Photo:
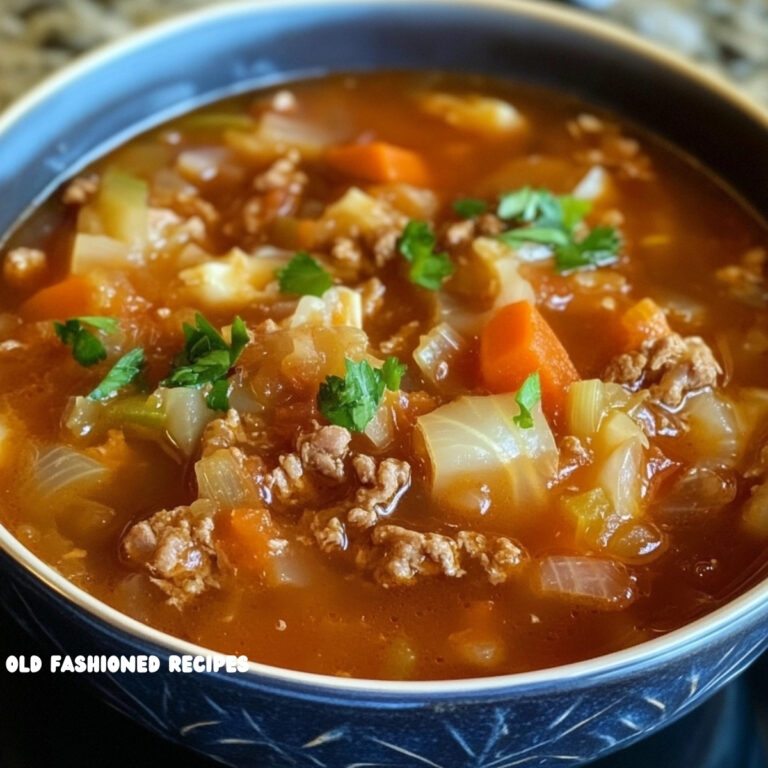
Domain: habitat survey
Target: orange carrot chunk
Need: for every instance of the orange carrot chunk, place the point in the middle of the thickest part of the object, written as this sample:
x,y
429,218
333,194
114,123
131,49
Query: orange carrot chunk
x,y
642,322
246,536
516,342
71,297
379,161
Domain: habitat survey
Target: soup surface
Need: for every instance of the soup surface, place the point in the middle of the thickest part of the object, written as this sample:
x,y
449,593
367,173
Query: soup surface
x,y
397,376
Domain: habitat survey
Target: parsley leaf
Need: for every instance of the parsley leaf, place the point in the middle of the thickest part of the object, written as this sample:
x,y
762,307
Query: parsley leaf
x,y
304,276
352,402
598,248
417,245
527,397
392,372
86,347
469,207
553,221
208,359
218,398
122,373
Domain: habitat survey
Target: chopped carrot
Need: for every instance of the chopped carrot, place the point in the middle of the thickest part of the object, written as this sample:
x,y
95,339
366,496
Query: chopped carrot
x,y
642,322
245,536
516,342
71,297
379,161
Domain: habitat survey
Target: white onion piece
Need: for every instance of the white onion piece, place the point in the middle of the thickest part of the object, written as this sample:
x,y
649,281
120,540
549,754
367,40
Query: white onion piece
x,y
60,468
337,306
186,415
755,513
202,163
621,477
221,477
594,185
437,355
714,432
604,584
381,429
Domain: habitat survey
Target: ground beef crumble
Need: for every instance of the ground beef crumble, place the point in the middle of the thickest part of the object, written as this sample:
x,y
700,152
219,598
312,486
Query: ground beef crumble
x,y
670,367
177,547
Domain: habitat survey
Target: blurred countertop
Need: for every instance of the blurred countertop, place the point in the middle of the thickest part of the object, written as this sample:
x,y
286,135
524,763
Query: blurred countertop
x,y
39,36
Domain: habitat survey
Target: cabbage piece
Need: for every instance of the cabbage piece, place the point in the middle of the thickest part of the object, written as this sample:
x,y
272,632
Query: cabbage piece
x,y
234,280
222,478
439,356
122,205
90,252
414,202
474,113
276,133
337,306
600,583
481,459
61,468
356,213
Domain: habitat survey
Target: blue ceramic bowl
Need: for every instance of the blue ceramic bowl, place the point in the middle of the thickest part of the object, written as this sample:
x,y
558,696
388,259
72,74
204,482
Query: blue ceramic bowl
x,y
273,717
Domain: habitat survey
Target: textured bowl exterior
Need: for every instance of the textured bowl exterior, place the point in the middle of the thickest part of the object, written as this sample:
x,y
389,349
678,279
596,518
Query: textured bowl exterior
x,y
269,717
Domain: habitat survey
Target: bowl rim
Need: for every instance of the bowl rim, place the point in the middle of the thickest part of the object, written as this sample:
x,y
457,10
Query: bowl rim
x,y
735,612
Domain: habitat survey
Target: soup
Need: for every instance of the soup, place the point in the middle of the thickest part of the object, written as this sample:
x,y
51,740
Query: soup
x,y
401,376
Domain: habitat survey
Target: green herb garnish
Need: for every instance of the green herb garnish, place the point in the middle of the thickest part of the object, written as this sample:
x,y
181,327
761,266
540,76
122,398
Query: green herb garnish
x,y
469,207
218,398
122,373
527,396
554,221
208,359
417,245
87,349
352,402
304,276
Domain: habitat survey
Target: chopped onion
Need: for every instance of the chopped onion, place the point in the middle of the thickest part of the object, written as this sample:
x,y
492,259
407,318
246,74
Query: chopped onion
x,y
122,204
585,407
621,477
202,163
755,513
381,429
595,185
473,440
60,468
414,202
221,477
233,280
713,430
91,252
438,355
356,212
698,490
474,113
186,415
337,306
603,584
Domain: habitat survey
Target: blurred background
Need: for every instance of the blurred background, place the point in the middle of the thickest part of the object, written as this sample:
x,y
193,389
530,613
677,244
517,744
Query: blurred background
x,y
39,36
